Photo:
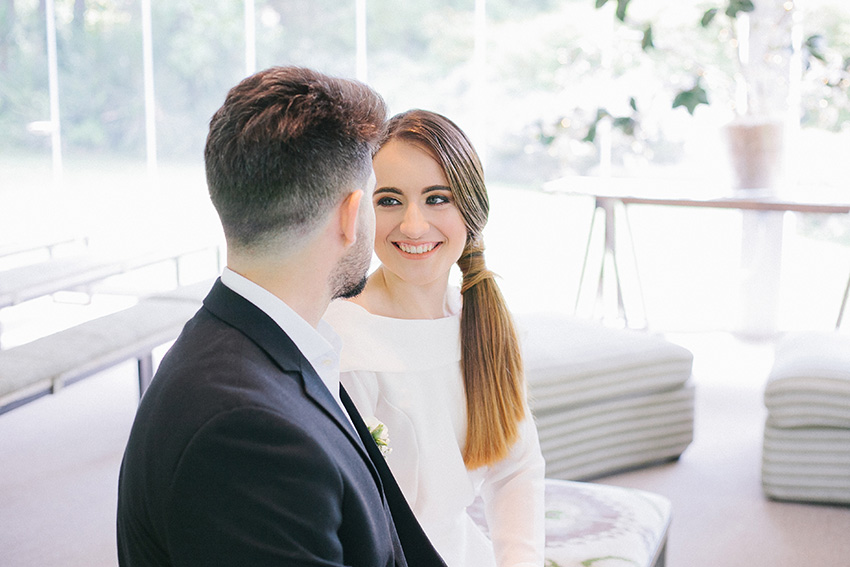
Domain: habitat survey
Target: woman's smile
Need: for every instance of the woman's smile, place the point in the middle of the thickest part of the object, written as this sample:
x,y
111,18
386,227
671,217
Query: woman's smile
x,y
420,249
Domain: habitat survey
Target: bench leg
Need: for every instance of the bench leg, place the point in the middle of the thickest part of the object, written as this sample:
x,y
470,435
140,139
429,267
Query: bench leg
x,y
661,560
177,270
145,372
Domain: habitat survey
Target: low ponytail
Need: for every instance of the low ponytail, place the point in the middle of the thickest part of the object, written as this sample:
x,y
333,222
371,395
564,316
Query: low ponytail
x,y
491,363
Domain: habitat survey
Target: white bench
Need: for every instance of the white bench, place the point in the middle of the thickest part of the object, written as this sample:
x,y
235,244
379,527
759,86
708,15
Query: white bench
x,y
46,243
28,282
45,365
44,278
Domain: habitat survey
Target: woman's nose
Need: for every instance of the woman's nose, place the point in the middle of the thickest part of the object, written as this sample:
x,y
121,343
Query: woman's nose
x,y
414,224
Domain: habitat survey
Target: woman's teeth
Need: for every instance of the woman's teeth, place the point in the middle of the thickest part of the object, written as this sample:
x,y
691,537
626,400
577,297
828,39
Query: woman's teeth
x,y
418,249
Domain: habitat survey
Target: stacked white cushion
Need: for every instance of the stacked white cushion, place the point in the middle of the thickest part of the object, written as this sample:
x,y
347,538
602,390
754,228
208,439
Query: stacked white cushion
x,y
605,399
806,452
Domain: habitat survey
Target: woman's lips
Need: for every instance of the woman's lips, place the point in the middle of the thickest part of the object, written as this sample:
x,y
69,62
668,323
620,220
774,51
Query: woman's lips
x,y
416,249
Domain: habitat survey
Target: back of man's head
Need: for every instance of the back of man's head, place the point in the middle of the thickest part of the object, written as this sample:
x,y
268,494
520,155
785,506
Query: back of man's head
x,y
285,148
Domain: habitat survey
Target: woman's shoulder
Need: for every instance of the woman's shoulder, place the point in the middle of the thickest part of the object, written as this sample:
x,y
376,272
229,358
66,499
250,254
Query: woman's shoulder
x,y
378,343
347,316
343,311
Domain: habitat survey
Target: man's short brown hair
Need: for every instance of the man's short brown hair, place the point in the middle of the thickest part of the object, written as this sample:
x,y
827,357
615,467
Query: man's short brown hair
x,y
285,148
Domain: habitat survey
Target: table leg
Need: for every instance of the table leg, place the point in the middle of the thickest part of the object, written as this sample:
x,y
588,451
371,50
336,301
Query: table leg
x,y
586,254
608,208
843,304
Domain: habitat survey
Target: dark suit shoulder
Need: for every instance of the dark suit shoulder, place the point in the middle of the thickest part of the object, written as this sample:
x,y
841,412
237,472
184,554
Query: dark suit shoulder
x,y
230,463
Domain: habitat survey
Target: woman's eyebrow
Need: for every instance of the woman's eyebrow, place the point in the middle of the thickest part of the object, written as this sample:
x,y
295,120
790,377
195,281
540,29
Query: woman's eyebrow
x,y
436,188
392,190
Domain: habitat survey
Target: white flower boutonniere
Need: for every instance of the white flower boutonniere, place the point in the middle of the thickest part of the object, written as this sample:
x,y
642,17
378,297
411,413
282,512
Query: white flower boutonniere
x,y
380,435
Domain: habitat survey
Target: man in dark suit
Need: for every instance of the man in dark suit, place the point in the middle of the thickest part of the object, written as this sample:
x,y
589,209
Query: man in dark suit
x,y
244,450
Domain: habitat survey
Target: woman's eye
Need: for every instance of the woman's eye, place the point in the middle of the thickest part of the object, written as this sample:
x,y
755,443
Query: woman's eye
x,y
437,199
387,202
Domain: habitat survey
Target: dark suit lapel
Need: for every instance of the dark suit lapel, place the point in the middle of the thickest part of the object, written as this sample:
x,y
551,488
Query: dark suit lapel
x,y
418,549
240,313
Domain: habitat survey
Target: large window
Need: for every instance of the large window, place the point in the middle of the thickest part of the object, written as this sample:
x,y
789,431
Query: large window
x,y
545,88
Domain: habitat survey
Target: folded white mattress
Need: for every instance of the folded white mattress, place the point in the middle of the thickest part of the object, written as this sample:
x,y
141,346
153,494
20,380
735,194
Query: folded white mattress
x,y
571,362
810,464
594,440
809,384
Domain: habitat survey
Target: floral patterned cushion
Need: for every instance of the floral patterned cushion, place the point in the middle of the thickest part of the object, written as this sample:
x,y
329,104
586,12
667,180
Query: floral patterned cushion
x,y
595,525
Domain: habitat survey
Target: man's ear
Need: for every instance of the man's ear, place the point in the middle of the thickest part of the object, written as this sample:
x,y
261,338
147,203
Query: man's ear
x,y
348,216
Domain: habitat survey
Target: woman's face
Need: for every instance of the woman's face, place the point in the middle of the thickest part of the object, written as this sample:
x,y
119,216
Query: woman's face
x,y
419,231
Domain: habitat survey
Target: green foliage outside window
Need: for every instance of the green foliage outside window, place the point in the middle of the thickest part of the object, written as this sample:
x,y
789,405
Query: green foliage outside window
x,y
551,76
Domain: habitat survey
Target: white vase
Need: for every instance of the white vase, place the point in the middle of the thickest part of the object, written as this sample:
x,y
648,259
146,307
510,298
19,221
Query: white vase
x,y
756,151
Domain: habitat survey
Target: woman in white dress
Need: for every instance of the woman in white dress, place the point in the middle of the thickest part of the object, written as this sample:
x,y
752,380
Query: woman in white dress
x,y
439,369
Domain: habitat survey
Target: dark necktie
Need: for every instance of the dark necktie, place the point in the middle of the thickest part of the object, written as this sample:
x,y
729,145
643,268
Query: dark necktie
x,y
417,547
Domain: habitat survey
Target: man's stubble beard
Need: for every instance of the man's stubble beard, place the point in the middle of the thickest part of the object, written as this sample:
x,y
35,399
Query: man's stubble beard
x,y
349,279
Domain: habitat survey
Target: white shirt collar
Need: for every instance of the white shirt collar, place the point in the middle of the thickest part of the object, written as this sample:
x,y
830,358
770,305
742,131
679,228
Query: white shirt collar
x,y
320,346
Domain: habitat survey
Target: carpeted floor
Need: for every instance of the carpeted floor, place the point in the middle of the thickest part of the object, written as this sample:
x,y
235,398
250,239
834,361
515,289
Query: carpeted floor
x,y
59,473
720,516
61,454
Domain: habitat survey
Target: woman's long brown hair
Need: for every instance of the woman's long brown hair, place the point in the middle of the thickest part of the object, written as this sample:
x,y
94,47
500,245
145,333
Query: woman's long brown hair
x,y
491,361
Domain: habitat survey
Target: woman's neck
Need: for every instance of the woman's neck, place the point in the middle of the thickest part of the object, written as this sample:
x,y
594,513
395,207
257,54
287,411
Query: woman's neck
x,y
388,296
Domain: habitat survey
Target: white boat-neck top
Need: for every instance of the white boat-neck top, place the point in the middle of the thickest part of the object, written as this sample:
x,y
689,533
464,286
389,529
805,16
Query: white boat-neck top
x,y
405,373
